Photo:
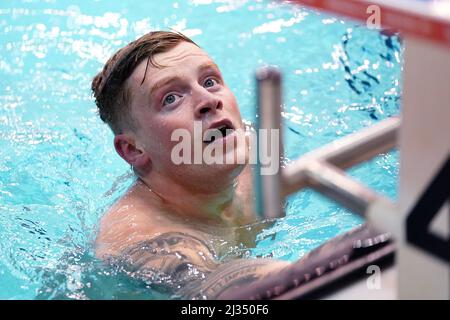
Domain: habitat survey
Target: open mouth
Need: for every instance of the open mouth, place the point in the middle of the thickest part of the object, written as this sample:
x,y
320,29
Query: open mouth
x,y
218,131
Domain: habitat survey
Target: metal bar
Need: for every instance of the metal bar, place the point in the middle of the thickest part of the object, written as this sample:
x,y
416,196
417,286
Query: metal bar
x,y
336,185
268,178
343,153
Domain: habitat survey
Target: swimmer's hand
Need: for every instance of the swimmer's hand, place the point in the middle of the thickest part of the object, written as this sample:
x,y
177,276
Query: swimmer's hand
x,y
186,266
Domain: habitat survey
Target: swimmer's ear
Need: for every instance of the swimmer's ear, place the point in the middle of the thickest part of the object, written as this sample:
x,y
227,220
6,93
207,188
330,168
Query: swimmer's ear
x,y
128,149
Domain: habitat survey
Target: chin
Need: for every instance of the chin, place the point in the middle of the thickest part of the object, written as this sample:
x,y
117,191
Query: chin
x,y
232,170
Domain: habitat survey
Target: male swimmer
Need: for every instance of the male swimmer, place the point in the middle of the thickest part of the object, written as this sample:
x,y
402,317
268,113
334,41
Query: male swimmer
x,y
177,221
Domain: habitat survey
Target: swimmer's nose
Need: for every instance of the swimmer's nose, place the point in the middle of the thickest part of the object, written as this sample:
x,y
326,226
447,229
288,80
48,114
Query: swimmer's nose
x,y
208,103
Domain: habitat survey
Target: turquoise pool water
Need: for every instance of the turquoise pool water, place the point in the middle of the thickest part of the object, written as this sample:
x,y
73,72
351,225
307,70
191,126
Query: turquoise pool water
x,y
58,169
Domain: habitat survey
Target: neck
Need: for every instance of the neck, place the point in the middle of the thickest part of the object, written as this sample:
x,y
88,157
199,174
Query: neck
x,y
226,205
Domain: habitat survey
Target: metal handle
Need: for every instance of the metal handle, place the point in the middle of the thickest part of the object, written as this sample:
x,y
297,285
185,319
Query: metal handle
x,y
268,184
319,169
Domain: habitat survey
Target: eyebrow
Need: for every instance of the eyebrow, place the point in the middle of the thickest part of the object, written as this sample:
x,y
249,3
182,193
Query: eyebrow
x,y
161,83
208,65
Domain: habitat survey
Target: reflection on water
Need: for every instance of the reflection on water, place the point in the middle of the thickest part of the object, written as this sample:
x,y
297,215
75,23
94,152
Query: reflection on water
x,y
80,276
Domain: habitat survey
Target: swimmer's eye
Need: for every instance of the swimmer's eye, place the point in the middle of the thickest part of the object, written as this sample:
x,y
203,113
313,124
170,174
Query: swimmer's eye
x,y
170,99
210,82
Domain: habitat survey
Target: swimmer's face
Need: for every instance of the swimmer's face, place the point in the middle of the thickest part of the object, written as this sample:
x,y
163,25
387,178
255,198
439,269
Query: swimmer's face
x,y
188,87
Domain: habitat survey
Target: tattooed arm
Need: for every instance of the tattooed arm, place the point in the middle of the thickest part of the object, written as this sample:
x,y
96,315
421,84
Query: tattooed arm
x,y
187,267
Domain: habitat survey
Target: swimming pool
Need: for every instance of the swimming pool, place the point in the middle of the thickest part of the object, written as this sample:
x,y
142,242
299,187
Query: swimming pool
x,y
59,171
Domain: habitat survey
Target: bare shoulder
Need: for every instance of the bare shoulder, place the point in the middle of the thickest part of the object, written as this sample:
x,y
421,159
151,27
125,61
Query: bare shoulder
x,y
132,219
171,254
176,260
170,257
127,235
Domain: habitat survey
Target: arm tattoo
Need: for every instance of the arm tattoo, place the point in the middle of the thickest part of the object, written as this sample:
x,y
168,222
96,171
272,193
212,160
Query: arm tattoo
x,y
187,267
227,277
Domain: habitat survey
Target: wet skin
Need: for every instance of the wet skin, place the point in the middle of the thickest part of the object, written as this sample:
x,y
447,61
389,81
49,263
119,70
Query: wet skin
x,y
179,217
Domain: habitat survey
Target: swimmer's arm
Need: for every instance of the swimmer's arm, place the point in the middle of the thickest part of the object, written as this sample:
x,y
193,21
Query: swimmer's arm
x,y
188,263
